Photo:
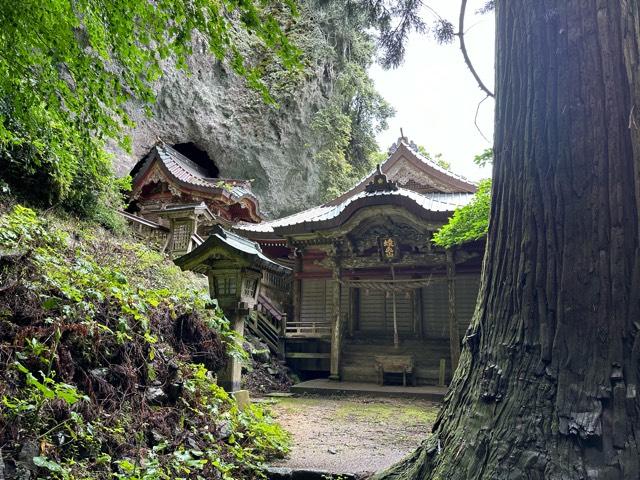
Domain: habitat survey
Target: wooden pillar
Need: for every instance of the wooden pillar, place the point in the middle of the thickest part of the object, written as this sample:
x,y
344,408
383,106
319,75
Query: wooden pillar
x,y
396,340
424,319
297,286
416,294
354,313
336,324
229,377
454,336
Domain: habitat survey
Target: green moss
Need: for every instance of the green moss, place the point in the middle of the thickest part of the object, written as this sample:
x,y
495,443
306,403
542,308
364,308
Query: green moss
x,y
352,408
382,412
298,404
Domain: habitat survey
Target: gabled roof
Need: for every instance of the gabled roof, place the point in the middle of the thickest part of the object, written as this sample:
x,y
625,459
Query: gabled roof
x,y
448,192
190,175
410,169
328,216
235,245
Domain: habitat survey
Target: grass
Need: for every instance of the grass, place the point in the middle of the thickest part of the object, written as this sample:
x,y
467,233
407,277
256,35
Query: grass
x,y
383,412
406,412
298,404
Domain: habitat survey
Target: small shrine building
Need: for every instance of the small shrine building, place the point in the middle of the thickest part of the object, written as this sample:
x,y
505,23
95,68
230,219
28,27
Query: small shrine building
x,y
177,200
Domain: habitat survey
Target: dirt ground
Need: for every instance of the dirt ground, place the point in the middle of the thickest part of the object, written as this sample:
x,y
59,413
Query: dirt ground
x,y
351,434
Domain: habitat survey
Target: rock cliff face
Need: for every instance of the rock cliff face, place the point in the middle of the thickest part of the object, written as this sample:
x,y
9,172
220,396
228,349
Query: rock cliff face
x,y
214,109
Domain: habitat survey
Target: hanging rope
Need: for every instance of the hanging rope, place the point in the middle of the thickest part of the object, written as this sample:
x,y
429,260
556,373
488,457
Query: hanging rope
x,y
393,285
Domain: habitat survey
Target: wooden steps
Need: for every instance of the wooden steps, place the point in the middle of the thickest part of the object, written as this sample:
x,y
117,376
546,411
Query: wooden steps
x,y
307,355
310,355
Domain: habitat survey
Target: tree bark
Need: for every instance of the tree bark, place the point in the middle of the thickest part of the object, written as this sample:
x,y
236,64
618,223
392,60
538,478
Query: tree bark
x,y
454,336
547,386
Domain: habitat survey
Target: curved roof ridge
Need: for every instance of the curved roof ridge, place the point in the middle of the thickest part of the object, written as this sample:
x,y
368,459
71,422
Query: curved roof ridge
x,y
432,163
433,201
441,174
186,162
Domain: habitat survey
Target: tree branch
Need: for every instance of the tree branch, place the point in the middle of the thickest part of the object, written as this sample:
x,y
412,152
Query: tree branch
x,y
463,48
475,119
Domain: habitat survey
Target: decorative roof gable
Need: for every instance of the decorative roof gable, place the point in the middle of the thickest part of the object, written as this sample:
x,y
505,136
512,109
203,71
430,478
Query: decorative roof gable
x,y
409,169
182,175
406,179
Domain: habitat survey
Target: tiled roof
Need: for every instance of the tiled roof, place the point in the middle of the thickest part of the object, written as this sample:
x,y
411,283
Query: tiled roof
x,y
186,171
432,202
458,191
430,167
197,258
431,163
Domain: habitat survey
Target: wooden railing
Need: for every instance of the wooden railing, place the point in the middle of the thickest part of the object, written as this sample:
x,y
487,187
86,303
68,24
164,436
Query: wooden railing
x,y
155,234
307,330
271,325
261,325
266,305
267,323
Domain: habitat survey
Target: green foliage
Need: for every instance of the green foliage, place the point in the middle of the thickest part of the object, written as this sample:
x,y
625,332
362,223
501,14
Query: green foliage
x,y
334,129
347,125
484,158
91,323
468,223
437,158
68,68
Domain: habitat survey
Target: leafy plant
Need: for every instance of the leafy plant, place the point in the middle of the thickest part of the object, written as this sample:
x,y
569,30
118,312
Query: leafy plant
x,y
107,355
484,158
347,124
67,70
468,223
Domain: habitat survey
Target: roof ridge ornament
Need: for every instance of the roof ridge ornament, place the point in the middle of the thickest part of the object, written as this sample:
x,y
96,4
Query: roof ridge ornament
x,y
403,139
380,183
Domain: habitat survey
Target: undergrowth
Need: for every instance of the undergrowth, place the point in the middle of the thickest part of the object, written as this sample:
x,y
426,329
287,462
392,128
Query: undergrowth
x,y
107,354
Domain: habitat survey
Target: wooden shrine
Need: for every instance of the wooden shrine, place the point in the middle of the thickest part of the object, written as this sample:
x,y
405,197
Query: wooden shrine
x,y
175,200
369,283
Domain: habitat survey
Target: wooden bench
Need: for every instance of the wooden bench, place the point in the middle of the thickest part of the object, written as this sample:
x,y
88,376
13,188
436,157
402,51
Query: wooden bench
x,y
403,364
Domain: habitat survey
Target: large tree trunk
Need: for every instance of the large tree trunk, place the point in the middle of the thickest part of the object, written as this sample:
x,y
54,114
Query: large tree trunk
x,y
547,386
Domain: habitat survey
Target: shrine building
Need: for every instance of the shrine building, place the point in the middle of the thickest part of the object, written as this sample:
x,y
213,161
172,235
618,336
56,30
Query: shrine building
x,y
371,296
175,200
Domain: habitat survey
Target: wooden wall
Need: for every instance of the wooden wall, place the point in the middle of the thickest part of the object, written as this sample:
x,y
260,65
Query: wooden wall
x,y
315,302
376,312
376,307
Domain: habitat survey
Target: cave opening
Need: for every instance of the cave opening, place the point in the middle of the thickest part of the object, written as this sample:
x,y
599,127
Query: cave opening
x,y
199,157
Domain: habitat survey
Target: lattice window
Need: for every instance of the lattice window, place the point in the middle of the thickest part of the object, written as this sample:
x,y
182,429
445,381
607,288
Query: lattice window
x,y
225,286
250,287
181,236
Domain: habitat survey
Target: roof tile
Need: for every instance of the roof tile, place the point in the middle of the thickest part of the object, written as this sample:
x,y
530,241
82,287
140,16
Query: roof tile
x,y
434,202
